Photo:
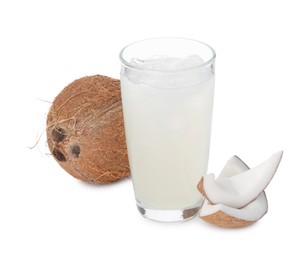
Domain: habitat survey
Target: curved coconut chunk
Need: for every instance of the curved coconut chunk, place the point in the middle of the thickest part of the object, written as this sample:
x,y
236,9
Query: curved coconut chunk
x,y
233,167
239,190
252,212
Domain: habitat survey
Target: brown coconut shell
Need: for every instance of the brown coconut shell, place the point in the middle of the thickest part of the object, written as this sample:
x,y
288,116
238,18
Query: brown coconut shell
x,y
85,130
224,220
201,189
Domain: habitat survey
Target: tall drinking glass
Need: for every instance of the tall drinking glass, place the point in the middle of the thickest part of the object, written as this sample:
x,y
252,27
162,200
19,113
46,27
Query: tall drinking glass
x,y
167,87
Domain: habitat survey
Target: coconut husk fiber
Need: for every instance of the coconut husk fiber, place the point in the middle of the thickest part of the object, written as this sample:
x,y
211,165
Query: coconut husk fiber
x,y
85,131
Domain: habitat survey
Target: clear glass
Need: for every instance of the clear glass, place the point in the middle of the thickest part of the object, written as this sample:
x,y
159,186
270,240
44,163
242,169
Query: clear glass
x,y
167,87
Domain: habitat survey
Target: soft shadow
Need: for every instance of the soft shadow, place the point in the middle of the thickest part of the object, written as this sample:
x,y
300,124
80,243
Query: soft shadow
x,y
223,229
104,186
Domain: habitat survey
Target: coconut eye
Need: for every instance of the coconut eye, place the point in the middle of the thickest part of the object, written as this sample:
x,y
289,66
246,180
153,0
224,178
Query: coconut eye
x,y
59,155
58,134
75,150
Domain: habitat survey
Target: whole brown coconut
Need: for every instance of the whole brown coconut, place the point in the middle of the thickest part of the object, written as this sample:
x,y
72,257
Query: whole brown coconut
x,y
85,130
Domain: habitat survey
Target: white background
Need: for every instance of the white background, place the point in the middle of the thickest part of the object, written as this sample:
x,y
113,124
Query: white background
x,y
259,109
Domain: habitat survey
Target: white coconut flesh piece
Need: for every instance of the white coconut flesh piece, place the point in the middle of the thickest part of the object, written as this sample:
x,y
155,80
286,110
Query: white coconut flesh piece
x,y
233,167
239,190
229,217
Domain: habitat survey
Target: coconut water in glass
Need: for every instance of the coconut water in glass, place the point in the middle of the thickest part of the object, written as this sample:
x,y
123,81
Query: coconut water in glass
x,y
167,87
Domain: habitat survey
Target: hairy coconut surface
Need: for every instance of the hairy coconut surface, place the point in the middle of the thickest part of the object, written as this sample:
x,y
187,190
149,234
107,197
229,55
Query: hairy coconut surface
x,y
85,130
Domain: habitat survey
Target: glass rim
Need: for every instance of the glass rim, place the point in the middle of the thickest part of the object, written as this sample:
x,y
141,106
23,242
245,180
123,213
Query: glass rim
x,y
139,67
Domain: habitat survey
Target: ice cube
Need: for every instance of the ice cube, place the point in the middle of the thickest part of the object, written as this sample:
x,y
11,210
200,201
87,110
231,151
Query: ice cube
x,y
167,72
187,62
162,62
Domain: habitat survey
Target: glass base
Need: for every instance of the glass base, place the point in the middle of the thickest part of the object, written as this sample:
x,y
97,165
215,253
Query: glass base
x,y
173,215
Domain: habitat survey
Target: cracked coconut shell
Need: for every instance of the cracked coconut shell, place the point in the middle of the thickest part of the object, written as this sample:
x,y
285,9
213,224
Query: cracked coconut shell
x,y
85,130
